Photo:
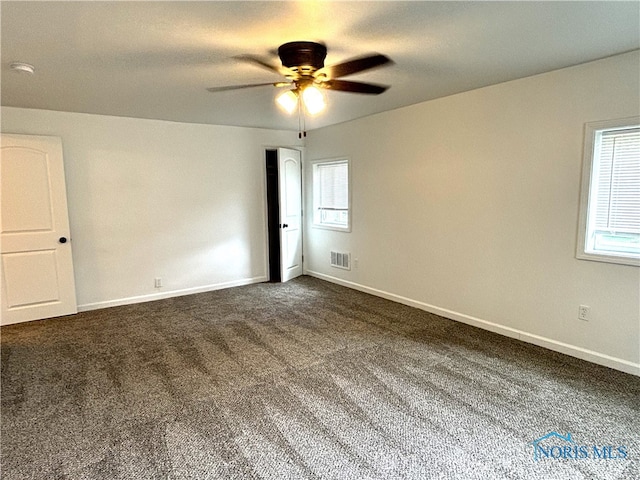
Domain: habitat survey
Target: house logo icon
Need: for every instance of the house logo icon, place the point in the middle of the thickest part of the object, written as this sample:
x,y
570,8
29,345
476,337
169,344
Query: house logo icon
x,y
538,447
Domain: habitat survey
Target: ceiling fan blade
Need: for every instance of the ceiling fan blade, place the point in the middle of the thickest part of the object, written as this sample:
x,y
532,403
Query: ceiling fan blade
x,y
249,85
261,62
354,66
354,87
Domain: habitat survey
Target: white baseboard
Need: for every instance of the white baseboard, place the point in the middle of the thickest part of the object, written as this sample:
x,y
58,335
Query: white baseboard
x,y
173,293
567,349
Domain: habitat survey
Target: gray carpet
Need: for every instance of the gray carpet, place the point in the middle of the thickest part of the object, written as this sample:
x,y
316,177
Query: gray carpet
x,y
303,380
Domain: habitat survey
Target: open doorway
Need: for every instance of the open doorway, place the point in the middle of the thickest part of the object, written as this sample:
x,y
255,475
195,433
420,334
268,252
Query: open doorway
x,y
273,216
284,213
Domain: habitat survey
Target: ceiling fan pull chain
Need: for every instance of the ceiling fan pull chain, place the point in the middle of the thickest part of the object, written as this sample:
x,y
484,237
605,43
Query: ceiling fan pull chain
x,y
304,124
299,119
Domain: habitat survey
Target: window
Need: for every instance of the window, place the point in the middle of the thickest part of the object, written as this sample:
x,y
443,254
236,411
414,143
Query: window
x,y
331,195
610,203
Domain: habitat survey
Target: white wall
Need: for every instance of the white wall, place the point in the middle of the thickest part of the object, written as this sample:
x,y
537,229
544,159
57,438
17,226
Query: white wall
x,y
148,199
468,206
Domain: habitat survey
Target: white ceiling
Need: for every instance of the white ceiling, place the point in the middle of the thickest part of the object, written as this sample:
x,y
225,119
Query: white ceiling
x,y
156,59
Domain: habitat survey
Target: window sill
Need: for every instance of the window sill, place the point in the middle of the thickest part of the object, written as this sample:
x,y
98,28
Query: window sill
x,y
618,259
332,228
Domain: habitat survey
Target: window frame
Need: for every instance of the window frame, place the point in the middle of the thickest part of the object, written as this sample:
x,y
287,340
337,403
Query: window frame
x,y
590,132
314,194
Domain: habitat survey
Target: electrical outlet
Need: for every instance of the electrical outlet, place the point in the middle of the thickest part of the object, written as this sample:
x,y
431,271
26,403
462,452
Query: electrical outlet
x,y
355,263
157,282
584,312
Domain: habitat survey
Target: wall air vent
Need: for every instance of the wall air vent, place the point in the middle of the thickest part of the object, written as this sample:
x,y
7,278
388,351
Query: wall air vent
x,y
341,260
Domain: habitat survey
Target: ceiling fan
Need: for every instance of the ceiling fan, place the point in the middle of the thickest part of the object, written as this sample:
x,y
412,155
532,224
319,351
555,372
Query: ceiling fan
x,y
305,74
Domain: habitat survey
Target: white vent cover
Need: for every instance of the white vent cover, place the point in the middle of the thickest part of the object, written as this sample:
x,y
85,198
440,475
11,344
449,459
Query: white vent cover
x,y
341,260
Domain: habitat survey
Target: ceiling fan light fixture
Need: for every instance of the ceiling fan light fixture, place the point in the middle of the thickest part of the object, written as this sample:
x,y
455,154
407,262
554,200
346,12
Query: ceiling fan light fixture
x,y
288,101
306,75
313,99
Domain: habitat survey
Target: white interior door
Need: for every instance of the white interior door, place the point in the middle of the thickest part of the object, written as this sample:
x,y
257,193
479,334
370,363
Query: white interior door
x,y
37,268
290,192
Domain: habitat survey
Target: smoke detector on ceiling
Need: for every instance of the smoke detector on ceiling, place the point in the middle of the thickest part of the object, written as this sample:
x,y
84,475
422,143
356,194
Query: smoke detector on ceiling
x,y
22,67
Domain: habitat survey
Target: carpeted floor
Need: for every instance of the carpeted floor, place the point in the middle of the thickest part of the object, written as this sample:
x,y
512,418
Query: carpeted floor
x,y
303,380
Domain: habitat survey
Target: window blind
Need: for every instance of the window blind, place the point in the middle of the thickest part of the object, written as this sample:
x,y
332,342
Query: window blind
x,y
618,181
333,183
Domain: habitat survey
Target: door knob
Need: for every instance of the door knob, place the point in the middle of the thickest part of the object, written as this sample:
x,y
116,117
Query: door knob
x,y
284,225
62,239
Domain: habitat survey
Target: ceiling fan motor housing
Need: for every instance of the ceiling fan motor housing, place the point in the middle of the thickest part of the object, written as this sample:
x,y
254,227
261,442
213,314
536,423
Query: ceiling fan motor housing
x,y
303,57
